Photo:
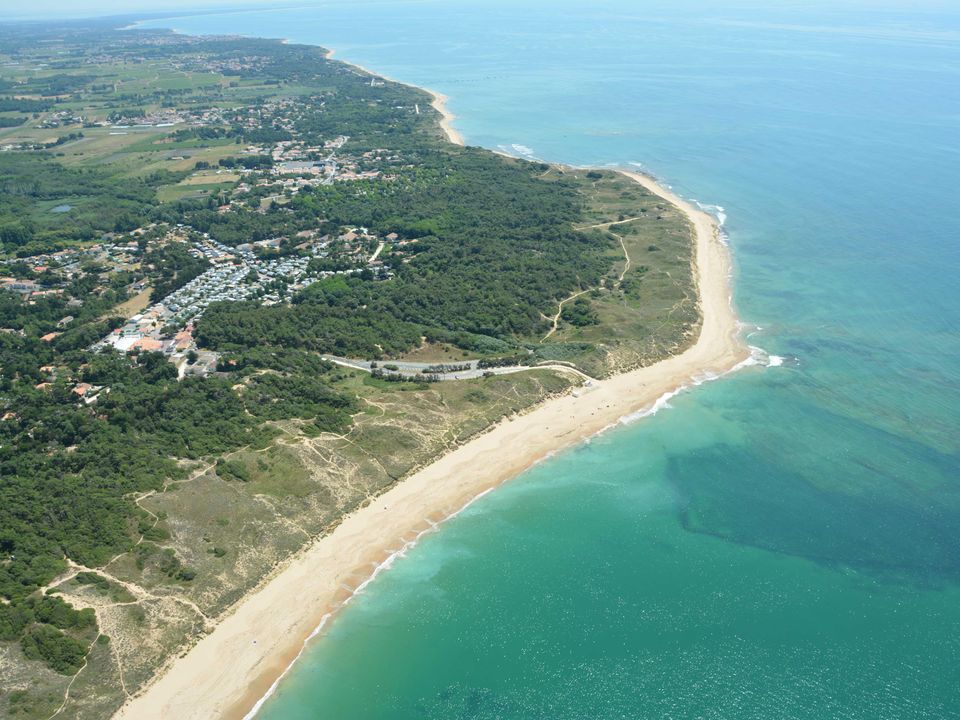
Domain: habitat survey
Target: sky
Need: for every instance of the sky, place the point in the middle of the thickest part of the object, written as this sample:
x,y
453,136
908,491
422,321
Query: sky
x,y
46,9
50,9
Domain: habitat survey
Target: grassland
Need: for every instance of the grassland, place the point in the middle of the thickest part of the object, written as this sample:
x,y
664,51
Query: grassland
x,y
233,533
645,308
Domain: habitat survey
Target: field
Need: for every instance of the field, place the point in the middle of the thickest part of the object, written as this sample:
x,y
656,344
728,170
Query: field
x,y
138,303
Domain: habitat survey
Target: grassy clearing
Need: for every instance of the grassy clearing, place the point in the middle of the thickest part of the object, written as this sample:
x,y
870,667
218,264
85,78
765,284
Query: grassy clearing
x,y
435,353
231,525
103,145
31,690
210,177
138,303
642,311
178,161
172,193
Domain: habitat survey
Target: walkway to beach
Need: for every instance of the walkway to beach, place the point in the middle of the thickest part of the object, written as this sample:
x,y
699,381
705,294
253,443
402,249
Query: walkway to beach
x,y
607,226
555,320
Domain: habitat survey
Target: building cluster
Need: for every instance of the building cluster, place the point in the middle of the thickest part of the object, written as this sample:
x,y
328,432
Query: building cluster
x,y
260,271
71,262
53,271
236,274
162,117
60,119
279,114
203,62
292,157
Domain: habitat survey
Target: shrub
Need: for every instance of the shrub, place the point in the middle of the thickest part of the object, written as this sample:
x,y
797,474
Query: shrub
x,y
60,652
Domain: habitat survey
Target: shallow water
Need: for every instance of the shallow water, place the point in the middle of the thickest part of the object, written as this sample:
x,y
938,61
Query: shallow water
x,y
779,544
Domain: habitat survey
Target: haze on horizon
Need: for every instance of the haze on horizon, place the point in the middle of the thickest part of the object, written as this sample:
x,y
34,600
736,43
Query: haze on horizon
x,y
68,9
71,9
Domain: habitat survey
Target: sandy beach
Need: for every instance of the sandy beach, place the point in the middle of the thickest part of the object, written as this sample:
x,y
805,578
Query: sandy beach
x,y
228,671
446,123
439,102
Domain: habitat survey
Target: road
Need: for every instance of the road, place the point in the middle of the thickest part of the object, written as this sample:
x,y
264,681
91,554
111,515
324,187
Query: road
x,y
417,368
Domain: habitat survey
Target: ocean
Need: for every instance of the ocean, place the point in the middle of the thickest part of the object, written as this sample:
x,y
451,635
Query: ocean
x,y
781,543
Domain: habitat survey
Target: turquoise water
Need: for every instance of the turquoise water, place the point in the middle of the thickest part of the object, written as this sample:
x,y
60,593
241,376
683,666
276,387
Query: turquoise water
x,y
784,543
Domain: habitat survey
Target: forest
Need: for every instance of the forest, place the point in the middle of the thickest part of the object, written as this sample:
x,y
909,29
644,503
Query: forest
x,y
493,248
484,250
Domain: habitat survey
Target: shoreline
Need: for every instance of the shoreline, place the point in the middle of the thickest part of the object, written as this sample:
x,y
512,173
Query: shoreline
x,y
269,628
438,103
446,122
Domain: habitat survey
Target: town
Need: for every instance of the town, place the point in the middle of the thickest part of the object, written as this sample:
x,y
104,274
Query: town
x,y
236,274
231,274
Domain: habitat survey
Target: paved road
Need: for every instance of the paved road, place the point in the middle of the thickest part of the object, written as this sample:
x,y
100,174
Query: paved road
x,y
417,368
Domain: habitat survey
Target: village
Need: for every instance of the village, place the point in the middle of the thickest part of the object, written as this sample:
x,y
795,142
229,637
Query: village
x,y
233,274
253,157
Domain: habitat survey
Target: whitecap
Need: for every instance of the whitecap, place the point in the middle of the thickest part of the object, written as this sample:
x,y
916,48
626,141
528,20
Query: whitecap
x,y
659,404
523,150
718,212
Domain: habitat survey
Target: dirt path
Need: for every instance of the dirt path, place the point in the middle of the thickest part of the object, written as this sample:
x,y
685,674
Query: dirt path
x,y
626,255
555,320
600,226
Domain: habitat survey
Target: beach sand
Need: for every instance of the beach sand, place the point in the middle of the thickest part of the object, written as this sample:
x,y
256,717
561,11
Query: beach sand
x,y
228,671
446,123
439,102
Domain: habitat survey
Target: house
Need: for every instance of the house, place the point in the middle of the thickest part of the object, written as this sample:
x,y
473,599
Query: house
x,y
82,389
183,339
147,344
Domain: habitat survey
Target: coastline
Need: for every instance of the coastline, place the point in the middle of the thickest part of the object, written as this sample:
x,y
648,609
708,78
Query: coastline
x,y
267,630
438,103
446,122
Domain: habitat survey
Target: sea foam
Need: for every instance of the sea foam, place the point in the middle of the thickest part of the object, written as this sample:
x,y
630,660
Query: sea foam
x,y
516,149
758,358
